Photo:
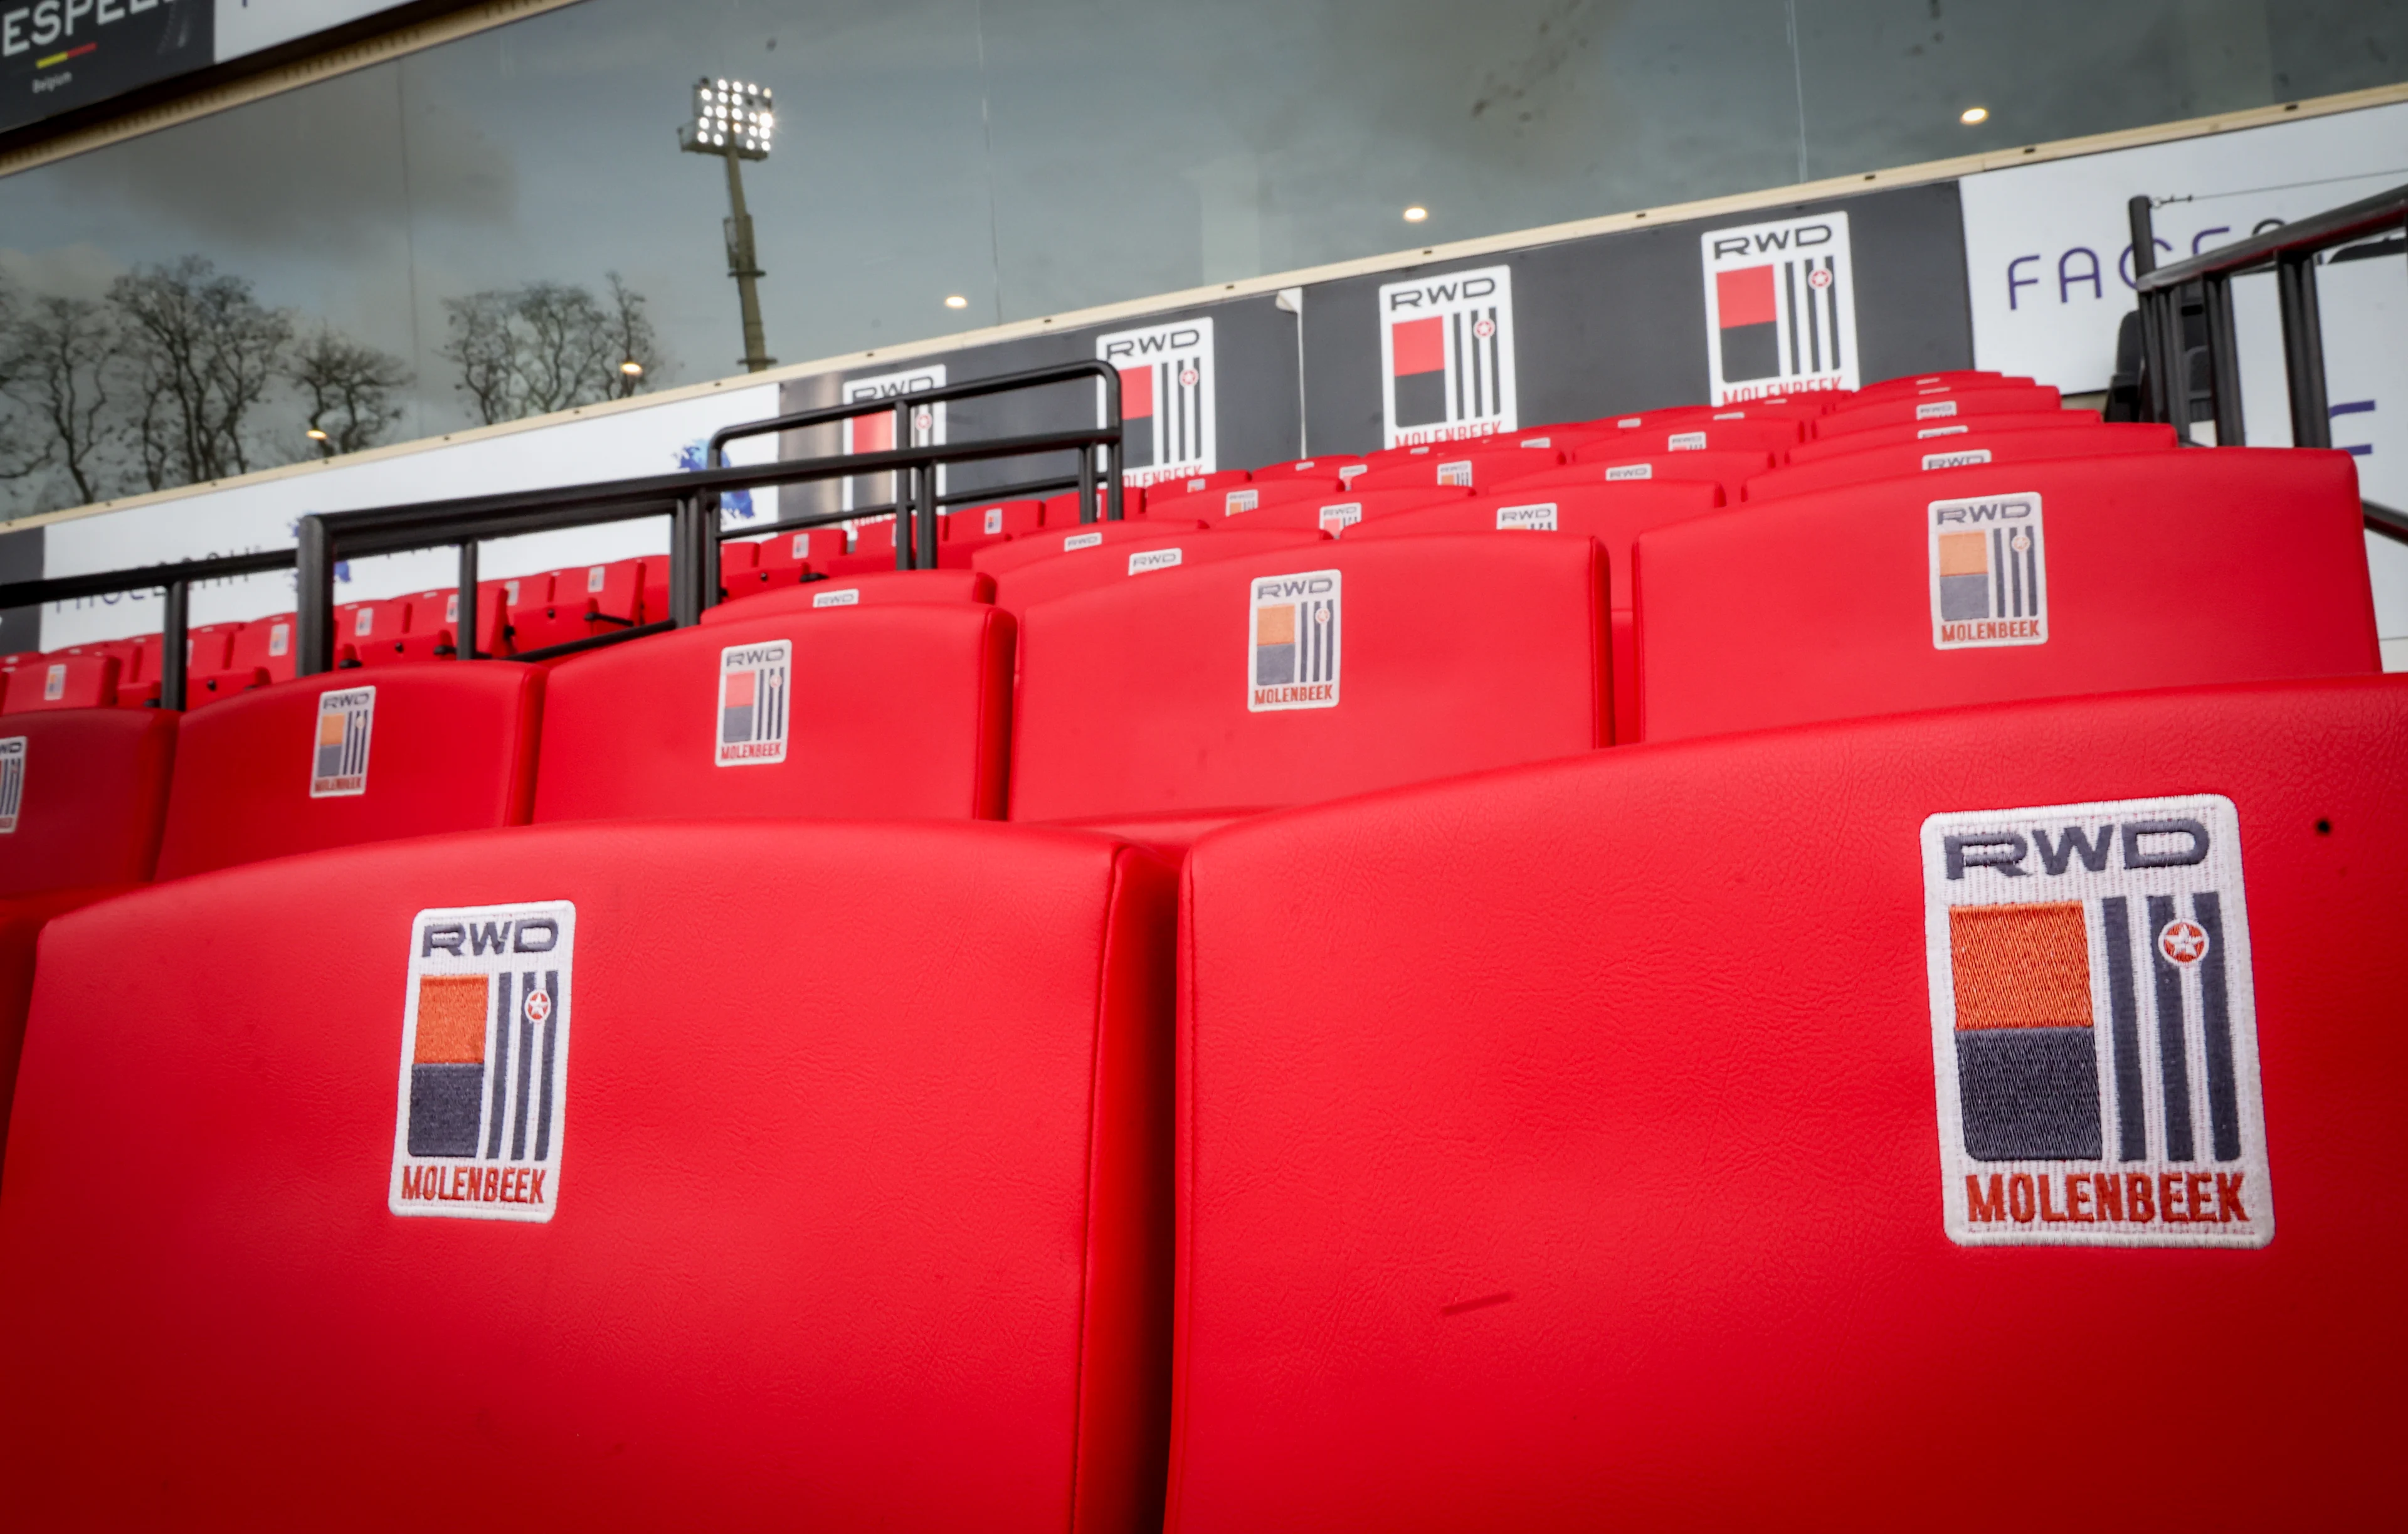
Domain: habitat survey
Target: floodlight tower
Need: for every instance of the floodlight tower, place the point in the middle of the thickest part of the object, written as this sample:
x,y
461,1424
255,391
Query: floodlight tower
x,y
733,120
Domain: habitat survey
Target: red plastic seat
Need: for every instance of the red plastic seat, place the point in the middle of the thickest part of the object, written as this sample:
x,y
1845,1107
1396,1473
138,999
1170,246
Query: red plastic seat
x,y
878,588
1062,510
1939,404
1194,484
209,647
1958,378
1614,514
1334,465
582,604
1730,470
264,644
1034,547
1335,511
1928,431
1562,1148
1004,519
1179,701
63,680
1212,506
855,1206
1957,452
887,710
782,559
1694,433
350,756
1477,471
2148,570
1021,586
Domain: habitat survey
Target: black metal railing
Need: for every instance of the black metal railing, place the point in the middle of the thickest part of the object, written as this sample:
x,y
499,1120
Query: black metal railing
x,y
689,500
2202,287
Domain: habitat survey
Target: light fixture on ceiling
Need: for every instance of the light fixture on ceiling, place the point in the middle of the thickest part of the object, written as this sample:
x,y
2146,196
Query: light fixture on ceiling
x,y
316,434
954,300
1973,116
632,368
1416,214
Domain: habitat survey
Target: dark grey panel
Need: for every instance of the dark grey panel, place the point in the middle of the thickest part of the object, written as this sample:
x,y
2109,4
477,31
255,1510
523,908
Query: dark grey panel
x,y
21,559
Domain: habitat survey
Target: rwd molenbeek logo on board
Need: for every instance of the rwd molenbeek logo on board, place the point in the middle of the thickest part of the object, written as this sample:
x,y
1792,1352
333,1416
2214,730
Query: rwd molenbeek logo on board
x,y
1446,357
1168,383
1780,308
875,433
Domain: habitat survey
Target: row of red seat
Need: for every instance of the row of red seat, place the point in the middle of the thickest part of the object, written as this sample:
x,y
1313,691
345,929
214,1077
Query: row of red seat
x,y
1537,1149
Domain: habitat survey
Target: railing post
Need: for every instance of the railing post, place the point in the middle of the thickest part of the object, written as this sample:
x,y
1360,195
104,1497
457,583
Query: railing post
x,y
693,553
1113,467
2224,362
2303,349
905,487
464,632
924,497
172,654
1088,511
313,599
2145,261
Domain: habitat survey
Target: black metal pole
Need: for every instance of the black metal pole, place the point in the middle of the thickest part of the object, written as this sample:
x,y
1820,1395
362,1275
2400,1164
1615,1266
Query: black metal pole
x,y
173,651
313,598
1113,465
2224,362
924,496
464,632
2303,349
2145,261
904,489
1087,509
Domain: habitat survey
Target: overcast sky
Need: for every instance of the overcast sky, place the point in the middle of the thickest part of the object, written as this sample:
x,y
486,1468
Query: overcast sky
x,y
1039,155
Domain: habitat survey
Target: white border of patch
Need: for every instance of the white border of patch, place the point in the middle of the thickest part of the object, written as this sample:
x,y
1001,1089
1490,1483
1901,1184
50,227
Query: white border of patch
x,y
338,700
2219,872
2036,527
783,666
1255,592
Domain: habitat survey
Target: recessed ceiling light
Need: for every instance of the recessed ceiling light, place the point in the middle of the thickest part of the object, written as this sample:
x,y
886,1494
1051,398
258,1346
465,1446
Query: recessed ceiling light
x,y
954,300
1972,115
1415,214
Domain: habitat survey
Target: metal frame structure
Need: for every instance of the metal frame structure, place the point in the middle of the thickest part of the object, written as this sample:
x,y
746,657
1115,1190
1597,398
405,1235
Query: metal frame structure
x,y
2290,252
689,500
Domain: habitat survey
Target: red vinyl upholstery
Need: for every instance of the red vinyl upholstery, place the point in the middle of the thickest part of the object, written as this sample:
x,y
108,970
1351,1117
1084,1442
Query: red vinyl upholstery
x,y
1005,519
890,711
1957,452
1210,505
1457,467
1194,484
854,590
859,1212
1729,469
444,747
1557,1146
1699,433
1142,705
91,789
1033,548
1334,511
2154,569
63,680
1614,514
1970,377
1935,404
1021,586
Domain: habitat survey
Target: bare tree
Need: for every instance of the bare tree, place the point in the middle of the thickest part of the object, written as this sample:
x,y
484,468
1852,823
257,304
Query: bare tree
x,y
550,346
20,453
208,353
64,353
349,389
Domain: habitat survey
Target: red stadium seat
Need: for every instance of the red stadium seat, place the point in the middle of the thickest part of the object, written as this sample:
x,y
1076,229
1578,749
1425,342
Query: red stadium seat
x,y
1457,469
1033,548
1005,519
1694,433
582,603
782,559
854,1209
1926,431
1179,701
1614,514
1590,1144
1728,471
1956,451
877,588
888,710
1957,379
1335,464
1235,500
1194,484
264,644
63,680
1335,511
1922,407
2147,570
1021,586
1062,510
333,760
209,647
873,549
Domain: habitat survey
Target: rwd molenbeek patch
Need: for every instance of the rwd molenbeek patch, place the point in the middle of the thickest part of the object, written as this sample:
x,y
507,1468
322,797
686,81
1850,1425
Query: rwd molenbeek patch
x,y
12,781
1153,559
2093,1028
1291,649
1989,571
752,687
484,1062
849,597
1446,357
338,754
1780,308
1167,384
1537,518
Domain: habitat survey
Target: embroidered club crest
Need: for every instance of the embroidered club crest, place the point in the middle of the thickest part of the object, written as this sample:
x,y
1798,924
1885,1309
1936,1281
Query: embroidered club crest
x,y
1989,572
339,756
1293,642
753,685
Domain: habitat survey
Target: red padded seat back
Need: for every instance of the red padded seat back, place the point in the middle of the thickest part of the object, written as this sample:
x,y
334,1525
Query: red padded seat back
x,y
1021,586
2148,570
207,647
1334,465
313,763
1564,1147
1614,514
1455,467
82,792
1196,484
1951,379
1693,433
1925,431
63,680
1004,519
1939,404
266,644
1212,506
855,1210
1035,548
1062,510
1334,511
1308,673
1899,459
1730,470
886,710
128,653
880,587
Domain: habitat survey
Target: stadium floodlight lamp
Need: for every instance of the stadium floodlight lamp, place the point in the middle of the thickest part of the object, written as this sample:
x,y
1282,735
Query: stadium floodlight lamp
x,y
730,117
